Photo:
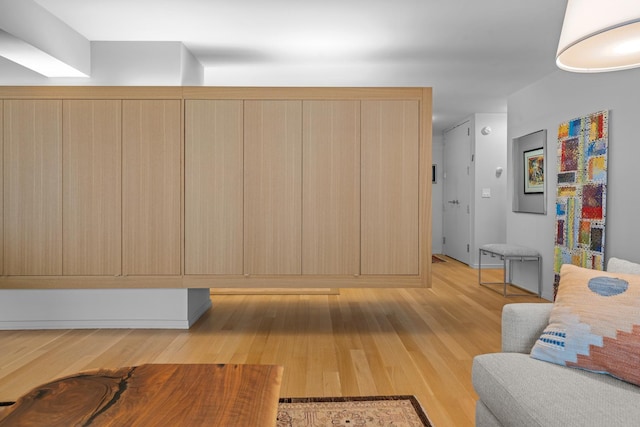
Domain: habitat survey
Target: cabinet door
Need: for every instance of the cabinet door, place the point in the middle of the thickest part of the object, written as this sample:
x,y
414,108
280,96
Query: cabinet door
x,y
151,187
273,201
92,213
390,187
33,187
1,187
213,187
331,187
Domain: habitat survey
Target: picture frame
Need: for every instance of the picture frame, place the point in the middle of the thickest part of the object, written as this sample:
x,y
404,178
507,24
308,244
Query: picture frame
x,y
533,162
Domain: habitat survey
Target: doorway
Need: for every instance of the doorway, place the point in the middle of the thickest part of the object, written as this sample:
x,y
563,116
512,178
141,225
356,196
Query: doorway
x,y
457,179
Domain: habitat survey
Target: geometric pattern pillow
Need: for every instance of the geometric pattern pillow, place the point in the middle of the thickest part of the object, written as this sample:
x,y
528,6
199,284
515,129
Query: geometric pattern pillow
x,y
594,323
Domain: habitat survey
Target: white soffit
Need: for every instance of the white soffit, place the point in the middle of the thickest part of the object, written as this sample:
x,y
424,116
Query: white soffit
x,y
21,52
34,38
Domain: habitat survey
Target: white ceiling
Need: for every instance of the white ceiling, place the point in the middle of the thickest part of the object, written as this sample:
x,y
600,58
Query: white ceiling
x,y
474,53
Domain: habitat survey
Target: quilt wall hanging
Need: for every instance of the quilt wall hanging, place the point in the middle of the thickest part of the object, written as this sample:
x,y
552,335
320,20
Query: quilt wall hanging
x,y
581,193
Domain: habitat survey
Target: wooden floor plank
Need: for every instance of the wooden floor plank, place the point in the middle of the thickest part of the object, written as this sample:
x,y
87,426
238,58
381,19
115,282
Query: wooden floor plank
x,y
373,341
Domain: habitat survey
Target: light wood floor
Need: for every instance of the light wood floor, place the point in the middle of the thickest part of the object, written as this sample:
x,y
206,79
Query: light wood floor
x,y
361,342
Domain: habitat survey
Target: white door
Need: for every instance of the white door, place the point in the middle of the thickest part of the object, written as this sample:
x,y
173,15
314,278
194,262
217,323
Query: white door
x,y
457,179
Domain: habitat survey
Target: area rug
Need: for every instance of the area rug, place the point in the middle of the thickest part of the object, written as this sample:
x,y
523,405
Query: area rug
x,y
436,259
379,411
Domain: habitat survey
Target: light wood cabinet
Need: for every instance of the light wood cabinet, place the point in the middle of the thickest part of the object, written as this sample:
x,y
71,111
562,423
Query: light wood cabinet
x,y
151,187
92,184
273,185
1,188
331,187
33,187
390,187
214,187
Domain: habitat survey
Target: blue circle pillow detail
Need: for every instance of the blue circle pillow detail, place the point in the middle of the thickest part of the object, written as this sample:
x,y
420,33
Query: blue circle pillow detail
x,y
608,286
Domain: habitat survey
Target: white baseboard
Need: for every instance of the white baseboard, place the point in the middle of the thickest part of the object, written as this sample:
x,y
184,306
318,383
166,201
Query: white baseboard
x,y
102,308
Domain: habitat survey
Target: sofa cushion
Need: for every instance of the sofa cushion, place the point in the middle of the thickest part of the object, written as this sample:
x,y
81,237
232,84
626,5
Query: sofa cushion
x,y
484,417
594,323
522,324
521,391
617,265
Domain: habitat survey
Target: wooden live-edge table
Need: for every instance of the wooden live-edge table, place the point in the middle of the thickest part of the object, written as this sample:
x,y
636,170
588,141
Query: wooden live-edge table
x,y
154,395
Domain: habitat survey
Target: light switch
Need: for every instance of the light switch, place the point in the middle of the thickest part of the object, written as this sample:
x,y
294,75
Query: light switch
x,y
486,193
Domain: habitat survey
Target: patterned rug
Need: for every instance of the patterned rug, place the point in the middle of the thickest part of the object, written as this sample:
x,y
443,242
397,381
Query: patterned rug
x,y
436,259
379,411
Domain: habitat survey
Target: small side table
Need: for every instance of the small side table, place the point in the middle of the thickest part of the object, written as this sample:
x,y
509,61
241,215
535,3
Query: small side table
x,y
508,253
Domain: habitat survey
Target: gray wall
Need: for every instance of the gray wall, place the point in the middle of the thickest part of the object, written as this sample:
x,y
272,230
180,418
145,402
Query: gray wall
x,y
436,195
559,97
489,213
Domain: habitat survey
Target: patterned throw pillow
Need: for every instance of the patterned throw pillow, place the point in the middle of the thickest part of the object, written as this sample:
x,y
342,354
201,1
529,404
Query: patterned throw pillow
x,y
594,323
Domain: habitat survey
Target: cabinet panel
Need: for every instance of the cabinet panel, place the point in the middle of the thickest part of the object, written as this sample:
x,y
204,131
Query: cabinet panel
x,y
331,187
213,187
273,200
151,187
92,227
33,187
1,187
390,187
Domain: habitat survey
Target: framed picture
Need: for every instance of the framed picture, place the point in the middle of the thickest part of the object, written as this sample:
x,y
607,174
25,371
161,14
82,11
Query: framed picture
x,y
534,171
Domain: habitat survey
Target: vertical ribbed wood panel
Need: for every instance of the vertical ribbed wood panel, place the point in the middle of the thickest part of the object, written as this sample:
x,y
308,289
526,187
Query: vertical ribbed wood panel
x,y
151,187
213,187
273,176
331,187
1,187
92,229
390,198
33,187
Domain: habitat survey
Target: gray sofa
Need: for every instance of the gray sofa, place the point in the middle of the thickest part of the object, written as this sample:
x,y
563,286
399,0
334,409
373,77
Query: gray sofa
x,y
517,390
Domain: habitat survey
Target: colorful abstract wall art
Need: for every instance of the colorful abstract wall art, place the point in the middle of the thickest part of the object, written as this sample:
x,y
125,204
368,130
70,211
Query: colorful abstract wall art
x,y
581,193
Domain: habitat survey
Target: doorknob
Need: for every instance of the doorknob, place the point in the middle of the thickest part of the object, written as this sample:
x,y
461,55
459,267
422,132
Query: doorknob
x,y
454,202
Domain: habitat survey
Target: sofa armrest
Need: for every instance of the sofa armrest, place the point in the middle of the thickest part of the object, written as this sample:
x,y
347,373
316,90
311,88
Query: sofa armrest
x,y
522,325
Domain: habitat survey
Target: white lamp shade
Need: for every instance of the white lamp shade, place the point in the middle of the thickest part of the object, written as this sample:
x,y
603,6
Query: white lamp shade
x,y
600,35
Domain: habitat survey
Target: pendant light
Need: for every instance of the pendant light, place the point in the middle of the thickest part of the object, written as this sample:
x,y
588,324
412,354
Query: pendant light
x,y
599,36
